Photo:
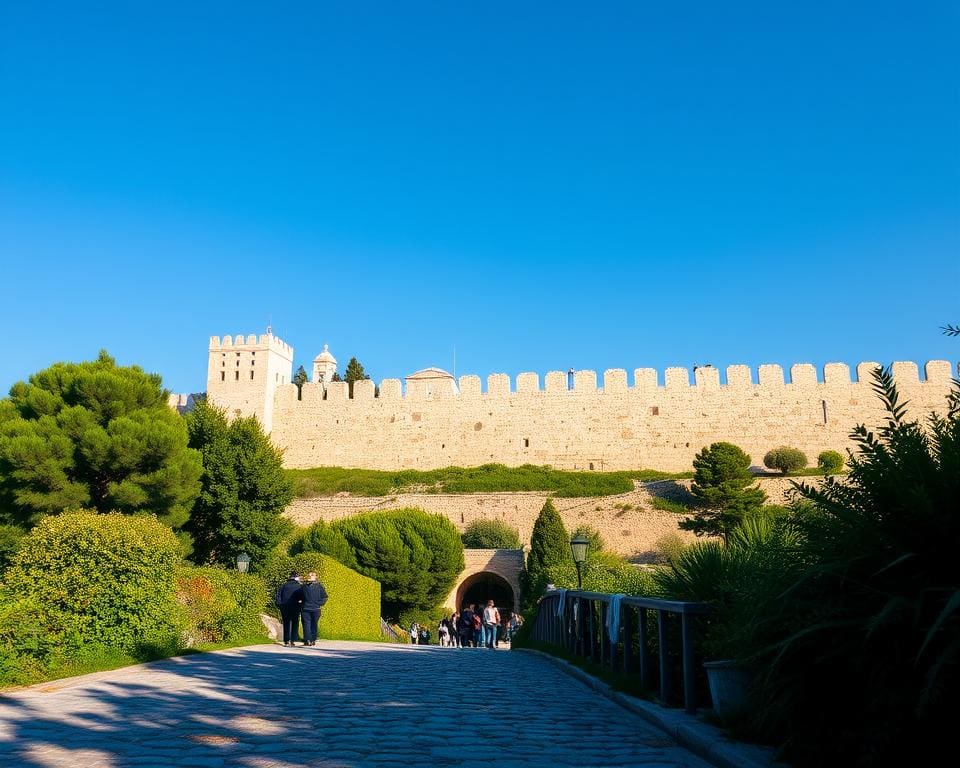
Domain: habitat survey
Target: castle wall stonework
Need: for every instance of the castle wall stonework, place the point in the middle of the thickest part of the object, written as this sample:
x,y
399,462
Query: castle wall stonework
x,y
602,423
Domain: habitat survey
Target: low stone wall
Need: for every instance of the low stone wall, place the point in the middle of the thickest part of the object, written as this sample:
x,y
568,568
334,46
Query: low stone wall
x,y
628,522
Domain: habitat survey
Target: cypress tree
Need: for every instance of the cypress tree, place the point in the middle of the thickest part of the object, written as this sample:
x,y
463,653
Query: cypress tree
x,y
549,547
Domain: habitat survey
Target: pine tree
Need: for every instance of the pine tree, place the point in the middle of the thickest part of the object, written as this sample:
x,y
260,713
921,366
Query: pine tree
x,y
720,483
244,490
549,547
98,436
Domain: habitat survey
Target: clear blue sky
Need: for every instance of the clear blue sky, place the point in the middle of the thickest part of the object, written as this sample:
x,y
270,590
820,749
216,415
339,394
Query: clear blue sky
x,y
540,185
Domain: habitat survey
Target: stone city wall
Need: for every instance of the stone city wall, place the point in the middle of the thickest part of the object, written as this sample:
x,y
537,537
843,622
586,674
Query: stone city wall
x,y
627,522
652,424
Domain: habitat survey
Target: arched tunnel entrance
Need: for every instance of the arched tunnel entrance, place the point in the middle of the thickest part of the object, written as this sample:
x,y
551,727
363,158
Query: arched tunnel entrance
x,y
484,586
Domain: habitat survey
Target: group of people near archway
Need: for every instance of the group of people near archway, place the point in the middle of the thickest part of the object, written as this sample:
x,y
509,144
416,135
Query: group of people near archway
x,y
473,627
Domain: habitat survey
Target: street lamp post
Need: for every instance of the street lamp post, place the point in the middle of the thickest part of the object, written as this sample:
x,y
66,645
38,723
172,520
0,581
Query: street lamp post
x,y
578,547
243,562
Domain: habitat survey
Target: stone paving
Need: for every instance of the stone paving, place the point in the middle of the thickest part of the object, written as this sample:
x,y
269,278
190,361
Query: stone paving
x,y
338,705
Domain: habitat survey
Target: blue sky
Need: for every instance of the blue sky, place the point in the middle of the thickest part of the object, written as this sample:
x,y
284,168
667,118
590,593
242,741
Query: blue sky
x,y
538,185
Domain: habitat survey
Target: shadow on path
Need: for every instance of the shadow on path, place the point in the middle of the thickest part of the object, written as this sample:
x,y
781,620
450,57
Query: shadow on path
x,y
339,704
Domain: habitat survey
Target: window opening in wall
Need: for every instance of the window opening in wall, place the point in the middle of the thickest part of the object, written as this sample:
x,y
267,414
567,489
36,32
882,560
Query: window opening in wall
x,y
237,377
526,442
223,364
654,410
238,363
443,445
253,353
252,363
238,354
223,375
591,465
823,404
251,375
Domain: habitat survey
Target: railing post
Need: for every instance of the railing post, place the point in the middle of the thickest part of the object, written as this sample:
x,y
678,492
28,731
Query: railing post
x,y
604,609
626,618
644,649
689,689
665,682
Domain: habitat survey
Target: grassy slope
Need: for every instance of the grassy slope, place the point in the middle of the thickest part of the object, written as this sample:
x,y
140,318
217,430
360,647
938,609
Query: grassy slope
x,y
489,478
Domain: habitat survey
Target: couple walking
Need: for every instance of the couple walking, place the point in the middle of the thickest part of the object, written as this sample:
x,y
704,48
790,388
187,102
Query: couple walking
x,y
298,601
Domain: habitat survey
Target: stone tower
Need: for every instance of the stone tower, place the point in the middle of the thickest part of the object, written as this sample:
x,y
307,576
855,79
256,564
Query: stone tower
x,y
324,366
244,372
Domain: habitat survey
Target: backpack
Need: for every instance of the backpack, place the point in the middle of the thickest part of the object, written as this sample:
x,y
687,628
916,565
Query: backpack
x,y
477,623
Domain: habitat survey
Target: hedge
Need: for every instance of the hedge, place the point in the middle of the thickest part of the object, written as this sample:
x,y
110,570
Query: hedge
x,y
353,609
105,579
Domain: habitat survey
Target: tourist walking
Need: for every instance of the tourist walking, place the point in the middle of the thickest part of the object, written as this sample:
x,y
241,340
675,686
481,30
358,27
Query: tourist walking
x,y
314,598
443,631
491,624
465,626
414,633
289,599
454,625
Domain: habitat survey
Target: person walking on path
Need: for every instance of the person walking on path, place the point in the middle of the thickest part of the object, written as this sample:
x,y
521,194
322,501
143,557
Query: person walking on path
x,y
491,623
288,599
314,598
466,626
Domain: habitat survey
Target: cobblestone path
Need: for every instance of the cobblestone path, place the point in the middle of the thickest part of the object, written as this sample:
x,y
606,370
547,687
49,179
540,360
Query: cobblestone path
x,y
338,705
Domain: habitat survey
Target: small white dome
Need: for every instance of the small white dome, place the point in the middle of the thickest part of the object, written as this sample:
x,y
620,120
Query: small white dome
x,y
325,356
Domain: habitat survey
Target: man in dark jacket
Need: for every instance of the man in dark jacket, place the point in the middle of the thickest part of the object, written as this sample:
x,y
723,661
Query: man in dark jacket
x,y
465,628
289,598
314,597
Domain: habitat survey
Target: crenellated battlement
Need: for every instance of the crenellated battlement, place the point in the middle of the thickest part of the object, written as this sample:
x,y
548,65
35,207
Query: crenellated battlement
x,y
252,342
616,381
614,419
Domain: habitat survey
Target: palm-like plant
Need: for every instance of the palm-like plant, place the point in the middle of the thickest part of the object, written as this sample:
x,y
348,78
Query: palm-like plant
x,y
871,665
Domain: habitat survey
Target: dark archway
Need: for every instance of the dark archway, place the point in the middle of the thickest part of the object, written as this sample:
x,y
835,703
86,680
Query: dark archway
x,y
484,586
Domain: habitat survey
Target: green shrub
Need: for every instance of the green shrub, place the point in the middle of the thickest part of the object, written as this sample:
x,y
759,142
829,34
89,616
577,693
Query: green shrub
x,y
610,575
10,538
786,459
830,462
416,556
670,547
324,538
491,534
669,505
596,545
30,639
221,606
105,579
352,611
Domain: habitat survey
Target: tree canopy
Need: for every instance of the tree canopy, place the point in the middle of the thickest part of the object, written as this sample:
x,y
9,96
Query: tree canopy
x,y
354,372
416,556
720,483
94,435
244,490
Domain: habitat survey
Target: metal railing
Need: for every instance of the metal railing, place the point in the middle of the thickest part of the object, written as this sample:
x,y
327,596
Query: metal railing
x,y
578,624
